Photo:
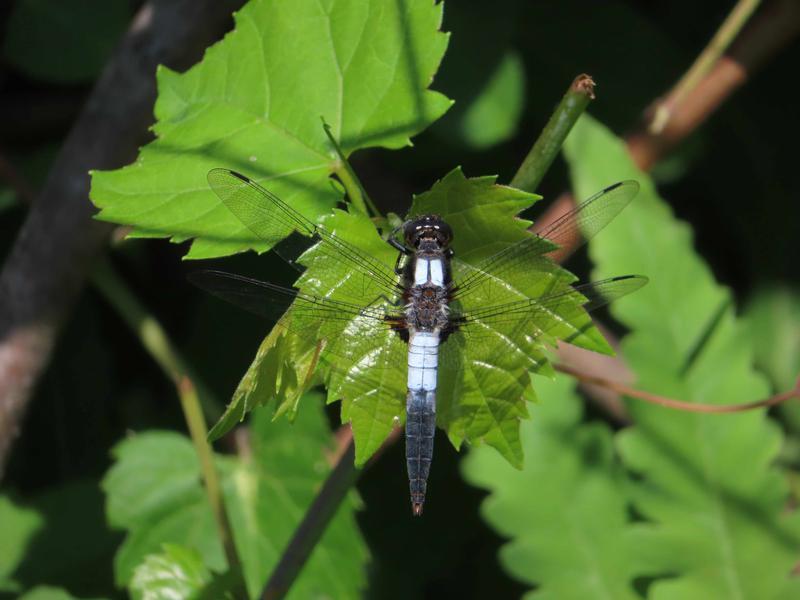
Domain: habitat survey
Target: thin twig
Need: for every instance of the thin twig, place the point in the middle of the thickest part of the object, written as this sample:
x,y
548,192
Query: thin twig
x,y
198,431
155,340
548,144
150,333
701,67
667,402
764,36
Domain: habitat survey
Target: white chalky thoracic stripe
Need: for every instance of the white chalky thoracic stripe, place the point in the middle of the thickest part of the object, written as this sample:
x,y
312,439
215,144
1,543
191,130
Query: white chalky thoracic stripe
x,y
429,271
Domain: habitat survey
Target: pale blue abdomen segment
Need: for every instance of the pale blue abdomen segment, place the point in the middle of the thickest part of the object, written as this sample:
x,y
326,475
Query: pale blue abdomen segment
x,y
423,360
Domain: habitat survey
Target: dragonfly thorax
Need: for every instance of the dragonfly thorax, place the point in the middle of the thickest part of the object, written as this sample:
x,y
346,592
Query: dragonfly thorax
x,y
426,309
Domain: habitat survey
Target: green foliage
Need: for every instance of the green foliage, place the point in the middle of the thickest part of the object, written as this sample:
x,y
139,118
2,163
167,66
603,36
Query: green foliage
x,y
154,493
773,315
711,505
46,592
178,572
773,318
57,537
20,524
566,511
714,504
254,104
64,42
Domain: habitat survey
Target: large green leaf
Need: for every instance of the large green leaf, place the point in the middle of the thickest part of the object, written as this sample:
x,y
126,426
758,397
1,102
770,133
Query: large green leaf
x,y
718,525
154,492
480,398
254,104
565,512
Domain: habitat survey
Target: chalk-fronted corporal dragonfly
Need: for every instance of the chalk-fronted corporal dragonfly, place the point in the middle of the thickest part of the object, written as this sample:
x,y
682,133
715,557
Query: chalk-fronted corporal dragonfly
x,y
419,314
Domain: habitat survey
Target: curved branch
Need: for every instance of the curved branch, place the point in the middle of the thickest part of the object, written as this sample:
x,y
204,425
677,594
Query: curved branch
x,y
666,402
48,263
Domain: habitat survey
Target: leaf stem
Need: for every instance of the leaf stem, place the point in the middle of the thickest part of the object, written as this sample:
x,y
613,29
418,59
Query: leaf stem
x,y
155,340
666,402
352,185
198,430
546,148
702,66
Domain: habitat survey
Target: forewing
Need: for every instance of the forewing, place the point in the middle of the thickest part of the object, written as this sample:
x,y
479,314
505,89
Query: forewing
x,y
560,315
587,219
273,220
339,326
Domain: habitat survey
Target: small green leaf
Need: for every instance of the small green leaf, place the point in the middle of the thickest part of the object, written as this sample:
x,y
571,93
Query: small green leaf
x,y
176,572
154,492
47,592
57,537
64,42
19,525
494,115
717,524
565,512
254,104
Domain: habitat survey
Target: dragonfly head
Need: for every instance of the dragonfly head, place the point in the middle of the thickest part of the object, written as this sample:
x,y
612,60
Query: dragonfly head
x,y
427,228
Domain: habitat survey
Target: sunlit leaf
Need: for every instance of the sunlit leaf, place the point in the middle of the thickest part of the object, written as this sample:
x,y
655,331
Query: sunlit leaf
x,y
565,512
154,492
717,522
254,104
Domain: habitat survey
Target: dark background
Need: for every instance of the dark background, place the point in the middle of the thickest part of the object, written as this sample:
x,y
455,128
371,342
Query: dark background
x,y
735,180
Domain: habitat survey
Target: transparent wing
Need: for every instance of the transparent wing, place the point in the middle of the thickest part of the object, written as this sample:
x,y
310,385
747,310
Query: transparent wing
x,y
272,220
364,358
494,335
340,325
587,219
553,309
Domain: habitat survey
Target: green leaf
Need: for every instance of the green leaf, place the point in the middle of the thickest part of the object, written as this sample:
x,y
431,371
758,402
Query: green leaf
x,y
64,42
179,572
494,115
254,104
19,525
57,538
565,512
773,317
154,492
715,506
46,592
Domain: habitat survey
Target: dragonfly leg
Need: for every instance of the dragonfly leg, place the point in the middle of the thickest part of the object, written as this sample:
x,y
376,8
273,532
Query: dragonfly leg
x,y
420,429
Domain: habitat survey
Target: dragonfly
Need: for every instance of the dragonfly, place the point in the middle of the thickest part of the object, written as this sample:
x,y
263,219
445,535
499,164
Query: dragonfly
x,y
418,313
